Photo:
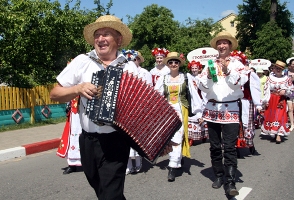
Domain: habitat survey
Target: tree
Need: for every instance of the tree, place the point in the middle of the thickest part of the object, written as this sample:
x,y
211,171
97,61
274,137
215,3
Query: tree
x,y
38,38
154,27
271,44
194,34
255,13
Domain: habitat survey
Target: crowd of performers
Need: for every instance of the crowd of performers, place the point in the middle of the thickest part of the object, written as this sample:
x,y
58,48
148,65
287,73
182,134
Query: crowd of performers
x,y
263,99
219,100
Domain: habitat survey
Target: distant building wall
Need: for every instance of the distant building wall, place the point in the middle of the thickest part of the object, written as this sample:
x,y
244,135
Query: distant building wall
x,y
228,24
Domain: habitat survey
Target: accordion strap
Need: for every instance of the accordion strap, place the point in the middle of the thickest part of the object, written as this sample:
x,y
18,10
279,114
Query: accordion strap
x,y
120,61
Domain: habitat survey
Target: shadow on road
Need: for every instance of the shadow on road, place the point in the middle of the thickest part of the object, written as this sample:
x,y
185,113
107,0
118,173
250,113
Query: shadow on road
x,y
272,139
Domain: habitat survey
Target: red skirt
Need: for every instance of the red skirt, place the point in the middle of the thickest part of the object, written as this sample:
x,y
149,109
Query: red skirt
x,y
275,117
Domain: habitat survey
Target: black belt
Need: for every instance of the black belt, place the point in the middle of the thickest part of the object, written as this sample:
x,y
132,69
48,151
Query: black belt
x,y
215,101
90,134
94,134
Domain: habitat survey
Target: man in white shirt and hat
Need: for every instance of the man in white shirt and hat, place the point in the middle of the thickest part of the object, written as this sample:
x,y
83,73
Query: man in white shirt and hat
x,y
104,150
221,80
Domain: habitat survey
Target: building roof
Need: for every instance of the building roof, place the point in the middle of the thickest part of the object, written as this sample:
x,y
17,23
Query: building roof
x,y
222,19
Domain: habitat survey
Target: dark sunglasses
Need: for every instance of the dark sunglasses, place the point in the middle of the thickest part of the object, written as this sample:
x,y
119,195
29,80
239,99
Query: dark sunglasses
x,y
278,68
176,62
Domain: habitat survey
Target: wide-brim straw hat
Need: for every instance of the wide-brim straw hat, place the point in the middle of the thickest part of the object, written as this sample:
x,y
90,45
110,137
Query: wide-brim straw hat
x,y
280,64
140,56
224,36
174,56
108,21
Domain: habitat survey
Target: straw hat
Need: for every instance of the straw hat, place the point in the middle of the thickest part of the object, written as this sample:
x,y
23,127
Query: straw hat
x,y
174,56
140,56
224,36
280,64
110,22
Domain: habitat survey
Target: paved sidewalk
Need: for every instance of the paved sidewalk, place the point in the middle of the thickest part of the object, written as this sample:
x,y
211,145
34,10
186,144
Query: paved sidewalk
x,y
23,142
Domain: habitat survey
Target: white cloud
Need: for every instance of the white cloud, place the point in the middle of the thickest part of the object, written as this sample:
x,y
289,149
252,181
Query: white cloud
x,y
227,12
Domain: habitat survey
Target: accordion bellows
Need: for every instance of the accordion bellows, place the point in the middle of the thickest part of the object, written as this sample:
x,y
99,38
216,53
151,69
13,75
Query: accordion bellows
x,y
135,107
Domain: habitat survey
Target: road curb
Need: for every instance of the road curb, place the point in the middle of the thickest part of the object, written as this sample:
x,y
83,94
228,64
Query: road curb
x,y
28,149
41,146
11,153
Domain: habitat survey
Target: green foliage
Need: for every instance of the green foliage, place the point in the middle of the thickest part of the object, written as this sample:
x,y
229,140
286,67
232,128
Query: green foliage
x,y
253,14
38,38
155,27
192,35
250,19
271,44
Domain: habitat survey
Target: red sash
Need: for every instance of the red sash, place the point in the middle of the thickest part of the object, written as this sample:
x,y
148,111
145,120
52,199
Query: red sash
x,y
64,142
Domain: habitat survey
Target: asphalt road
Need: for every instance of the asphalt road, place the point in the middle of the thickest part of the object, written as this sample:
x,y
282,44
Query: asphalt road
x,y
266,175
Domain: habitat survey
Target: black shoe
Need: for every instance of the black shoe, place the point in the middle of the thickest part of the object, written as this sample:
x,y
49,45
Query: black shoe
x,y
70,169
219,181
231,190
171,174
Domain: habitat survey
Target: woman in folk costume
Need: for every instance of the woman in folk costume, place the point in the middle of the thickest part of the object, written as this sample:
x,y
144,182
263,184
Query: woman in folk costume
x,y
143,73
262,79
160,68
197,128
173,87
135,160
276,90
290,99
250,102
69,144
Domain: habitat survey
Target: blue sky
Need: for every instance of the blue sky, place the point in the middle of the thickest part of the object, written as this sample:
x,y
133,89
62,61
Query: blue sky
x,y
195,9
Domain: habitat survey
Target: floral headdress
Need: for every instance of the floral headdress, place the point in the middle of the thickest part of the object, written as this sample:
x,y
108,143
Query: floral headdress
x,y
130,54
240,56
193,62
160,52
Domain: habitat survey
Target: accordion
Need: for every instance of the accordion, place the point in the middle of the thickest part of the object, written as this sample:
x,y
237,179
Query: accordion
x,y
135,107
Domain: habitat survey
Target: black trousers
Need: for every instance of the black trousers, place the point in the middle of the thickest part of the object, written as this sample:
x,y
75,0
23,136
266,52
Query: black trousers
x,y
226,134
104,159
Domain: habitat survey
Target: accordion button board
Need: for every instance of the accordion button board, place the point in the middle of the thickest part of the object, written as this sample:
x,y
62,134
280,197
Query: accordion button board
x,y
101,109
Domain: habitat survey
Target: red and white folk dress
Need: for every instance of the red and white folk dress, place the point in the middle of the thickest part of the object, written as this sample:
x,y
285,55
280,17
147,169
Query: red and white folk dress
x,y
275,114
156,73
196,130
